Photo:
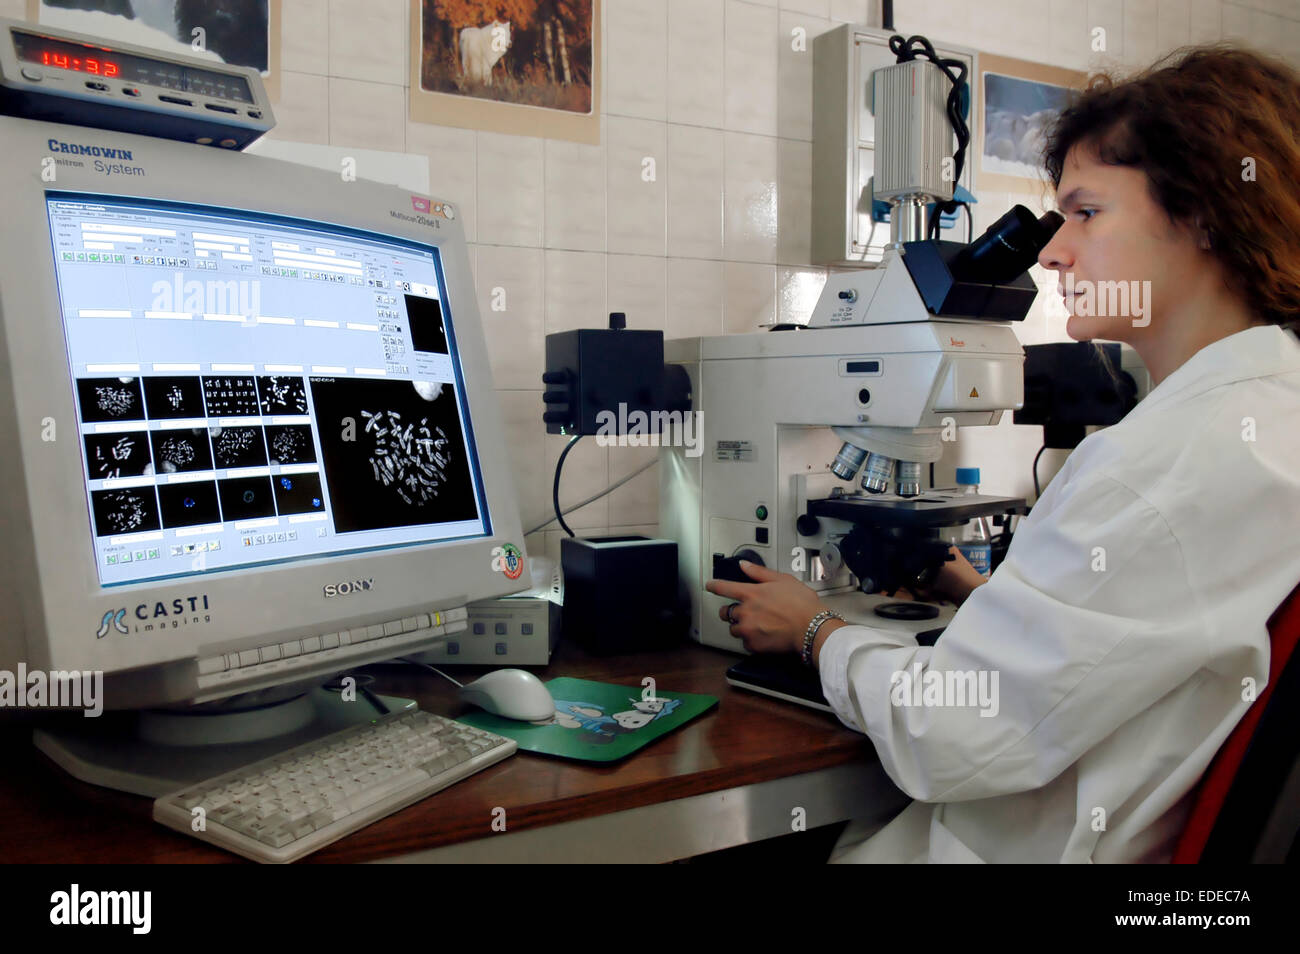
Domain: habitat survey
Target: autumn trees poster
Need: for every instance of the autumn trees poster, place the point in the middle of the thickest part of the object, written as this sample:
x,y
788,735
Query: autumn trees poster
x,y
527,66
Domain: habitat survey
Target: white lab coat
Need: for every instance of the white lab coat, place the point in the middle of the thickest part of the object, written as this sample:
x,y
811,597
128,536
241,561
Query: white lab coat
x,y
1117,685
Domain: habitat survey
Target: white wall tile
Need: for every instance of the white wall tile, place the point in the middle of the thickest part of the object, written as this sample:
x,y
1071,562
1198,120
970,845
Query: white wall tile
x,y
1108,15
635,285
794,202
586,472
795,73
797,291
521,413
1175,24
695,296
814,8
695,192
511,278
636,223
13,9
1235,23
750,60
302,113
695,62
509,189
1205,21
453,167
750,300
368,40
1069,31
636,36
749,204
304,37
1141,32
637,501
575,291
860,12
575,211
367,115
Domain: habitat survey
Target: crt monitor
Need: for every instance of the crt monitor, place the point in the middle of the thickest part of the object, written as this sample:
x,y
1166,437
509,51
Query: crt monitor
x,y
250,435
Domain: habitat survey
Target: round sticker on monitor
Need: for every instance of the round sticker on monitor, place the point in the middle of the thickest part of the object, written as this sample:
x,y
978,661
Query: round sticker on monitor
x,y
508,560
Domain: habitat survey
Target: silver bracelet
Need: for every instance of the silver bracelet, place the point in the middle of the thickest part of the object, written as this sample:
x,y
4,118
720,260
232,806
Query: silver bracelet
x,y
810,634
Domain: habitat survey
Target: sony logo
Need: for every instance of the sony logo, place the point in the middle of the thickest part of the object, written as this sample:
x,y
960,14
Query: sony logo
x,y
348,587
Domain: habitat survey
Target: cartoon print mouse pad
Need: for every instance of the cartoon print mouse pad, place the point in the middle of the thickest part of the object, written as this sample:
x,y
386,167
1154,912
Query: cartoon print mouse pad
x,y
597,721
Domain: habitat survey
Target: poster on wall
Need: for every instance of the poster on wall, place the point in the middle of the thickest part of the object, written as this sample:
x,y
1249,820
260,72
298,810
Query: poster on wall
x,y
1019,102
237,32
529,67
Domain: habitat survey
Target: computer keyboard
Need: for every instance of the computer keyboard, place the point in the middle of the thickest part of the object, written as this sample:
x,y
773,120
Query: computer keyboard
x,y
282,808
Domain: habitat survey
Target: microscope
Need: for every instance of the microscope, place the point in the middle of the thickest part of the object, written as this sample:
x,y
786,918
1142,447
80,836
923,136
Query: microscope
x,y
816,439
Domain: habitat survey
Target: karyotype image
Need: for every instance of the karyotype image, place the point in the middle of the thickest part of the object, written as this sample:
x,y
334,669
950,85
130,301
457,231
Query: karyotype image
x,y
168,398
118,454
124,511
246,498
110,399
238,447
181,449
394,454
231,397
188,504
282,395
290,444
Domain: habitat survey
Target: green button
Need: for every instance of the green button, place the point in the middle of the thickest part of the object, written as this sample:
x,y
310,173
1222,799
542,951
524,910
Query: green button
x,y
761,512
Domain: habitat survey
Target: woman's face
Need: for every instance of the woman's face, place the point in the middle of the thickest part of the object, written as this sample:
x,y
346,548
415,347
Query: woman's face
x,y
1123,266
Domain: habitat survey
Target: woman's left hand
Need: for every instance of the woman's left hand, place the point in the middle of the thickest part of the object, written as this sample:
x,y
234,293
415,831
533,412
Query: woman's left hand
x,y
773,612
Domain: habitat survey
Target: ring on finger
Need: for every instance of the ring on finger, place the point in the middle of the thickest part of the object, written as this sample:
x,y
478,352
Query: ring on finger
x,y
731,613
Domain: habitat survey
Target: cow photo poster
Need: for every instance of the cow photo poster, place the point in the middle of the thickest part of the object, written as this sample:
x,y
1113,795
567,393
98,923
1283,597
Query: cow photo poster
x,y
529,67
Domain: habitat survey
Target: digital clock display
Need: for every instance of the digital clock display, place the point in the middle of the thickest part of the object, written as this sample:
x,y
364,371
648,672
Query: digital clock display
x,y
129,68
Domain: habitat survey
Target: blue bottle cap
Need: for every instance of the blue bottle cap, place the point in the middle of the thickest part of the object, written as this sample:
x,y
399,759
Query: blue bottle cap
x,y
968,475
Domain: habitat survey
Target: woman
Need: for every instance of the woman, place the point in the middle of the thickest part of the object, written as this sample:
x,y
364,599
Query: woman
x,y
1126,627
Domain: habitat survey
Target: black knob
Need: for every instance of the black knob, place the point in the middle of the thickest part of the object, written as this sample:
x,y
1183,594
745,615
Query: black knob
x,y
555,377
555,397
750,555
617,320
808,525
555,417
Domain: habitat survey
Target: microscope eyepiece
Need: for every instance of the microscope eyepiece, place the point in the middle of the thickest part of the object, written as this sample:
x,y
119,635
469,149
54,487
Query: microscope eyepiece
x,y
1009,246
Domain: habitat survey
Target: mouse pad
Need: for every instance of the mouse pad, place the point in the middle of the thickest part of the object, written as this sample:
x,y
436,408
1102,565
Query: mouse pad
x,y
597,721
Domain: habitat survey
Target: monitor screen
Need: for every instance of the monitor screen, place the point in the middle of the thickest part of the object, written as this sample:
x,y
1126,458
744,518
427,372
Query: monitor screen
x,y
253,389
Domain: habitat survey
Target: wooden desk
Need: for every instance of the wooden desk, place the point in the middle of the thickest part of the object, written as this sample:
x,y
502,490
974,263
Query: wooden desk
x,y
731,776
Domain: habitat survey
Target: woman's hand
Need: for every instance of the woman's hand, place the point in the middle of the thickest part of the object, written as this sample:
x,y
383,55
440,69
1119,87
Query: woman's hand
x,y
771,614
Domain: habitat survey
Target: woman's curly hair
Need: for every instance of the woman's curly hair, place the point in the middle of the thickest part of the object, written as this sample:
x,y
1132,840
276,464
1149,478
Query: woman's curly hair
x,y
1216,129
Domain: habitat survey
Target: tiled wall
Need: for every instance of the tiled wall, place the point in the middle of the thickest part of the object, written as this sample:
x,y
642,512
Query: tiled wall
x,y
718,241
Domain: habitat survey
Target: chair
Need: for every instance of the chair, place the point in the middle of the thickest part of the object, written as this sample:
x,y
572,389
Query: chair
x,y
1248,806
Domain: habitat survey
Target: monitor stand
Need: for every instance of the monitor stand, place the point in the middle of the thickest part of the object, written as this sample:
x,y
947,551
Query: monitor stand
x,y
157,752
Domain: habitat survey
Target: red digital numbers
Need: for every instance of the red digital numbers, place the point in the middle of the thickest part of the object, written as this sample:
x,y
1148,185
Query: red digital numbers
x,y
64,62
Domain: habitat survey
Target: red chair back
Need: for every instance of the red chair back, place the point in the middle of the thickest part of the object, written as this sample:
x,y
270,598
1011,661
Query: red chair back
x,y
1284,633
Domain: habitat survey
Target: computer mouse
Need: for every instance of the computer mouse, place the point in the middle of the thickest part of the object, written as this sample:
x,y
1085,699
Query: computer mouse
x,y
511,694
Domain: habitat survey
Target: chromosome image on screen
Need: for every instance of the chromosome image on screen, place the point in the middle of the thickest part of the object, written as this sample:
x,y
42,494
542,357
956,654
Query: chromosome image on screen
x,y
290,444
230,397
189,504
237,447
394,453
168,398
180,450
427,332
298,493
282,396
246,498
110,399
118,454
124,511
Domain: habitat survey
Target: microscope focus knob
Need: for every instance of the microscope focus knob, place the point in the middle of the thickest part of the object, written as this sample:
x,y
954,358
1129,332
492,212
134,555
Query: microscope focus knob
x,y
807,525
750,555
